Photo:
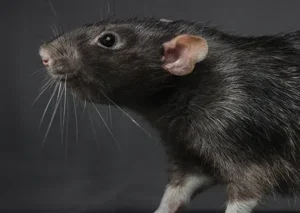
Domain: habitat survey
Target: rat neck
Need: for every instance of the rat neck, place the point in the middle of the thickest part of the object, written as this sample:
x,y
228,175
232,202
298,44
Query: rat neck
x,y
176,104
168,104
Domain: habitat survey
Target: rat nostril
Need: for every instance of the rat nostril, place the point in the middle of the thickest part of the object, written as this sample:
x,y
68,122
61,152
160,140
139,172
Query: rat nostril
x,y
46,58
46,61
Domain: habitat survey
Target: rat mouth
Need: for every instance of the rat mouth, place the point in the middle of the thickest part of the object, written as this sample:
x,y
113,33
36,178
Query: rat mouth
x,y
61,73
62,77
69,79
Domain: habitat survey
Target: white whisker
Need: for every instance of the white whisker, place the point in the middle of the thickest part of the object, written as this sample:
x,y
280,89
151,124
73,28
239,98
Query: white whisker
x,y
59,89
109,111
54,32
93,129
106,126
135,122
76,122
42,92
50,81
57,32
64,111
47,106
108,8
52,8
67,131
59,97
39,71
114,8
60,118
84,106
52,117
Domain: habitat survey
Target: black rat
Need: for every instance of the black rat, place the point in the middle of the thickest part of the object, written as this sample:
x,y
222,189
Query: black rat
x,y
226,106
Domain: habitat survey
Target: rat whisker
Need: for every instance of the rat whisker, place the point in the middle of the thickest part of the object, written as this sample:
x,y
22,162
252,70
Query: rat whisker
x,y
62,41
52,8
47,106
114,8
60,118
59,96
101,15
76,100
109,111
65,103
110,132
135,122
39,71
63,44
67,130
76,122
52,84
93,130
60,92
62,30
47,81
42,92
62,107
108,8
56,30
53,31
59,89
84,107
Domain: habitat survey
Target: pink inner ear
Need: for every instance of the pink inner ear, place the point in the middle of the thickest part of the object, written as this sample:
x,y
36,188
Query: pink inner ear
x,y
171,55
174,58
182,53
172,52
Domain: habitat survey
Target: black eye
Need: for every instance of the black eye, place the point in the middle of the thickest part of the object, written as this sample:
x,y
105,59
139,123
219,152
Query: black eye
x,y
107,40
162,50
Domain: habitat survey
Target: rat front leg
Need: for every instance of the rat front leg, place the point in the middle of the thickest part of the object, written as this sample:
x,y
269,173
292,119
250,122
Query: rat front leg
x,y
180,190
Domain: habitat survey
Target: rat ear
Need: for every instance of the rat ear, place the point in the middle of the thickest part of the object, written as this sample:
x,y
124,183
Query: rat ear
x,y
183,52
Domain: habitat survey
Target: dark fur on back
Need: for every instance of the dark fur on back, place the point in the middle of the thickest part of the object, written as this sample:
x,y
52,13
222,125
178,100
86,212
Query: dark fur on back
x,y
236,117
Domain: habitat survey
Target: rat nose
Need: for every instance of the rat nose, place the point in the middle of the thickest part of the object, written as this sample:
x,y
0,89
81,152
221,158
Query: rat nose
x,y
46,59
46,62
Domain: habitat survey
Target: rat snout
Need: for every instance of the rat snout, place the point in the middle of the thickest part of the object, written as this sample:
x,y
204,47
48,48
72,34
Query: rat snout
x,y
46,59
57,64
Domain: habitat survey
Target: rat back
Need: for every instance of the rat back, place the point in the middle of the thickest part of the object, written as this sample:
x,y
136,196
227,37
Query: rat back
x,y
241,115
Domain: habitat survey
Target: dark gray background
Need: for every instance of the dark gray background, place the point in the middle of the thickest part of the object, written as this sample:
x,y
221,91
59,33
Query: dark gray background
x,y
91,174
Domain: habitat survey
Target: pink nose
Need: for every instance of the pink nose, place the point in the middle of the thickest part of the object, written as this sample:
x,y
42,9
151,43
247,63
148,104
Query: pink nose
x,y
45,56
46,62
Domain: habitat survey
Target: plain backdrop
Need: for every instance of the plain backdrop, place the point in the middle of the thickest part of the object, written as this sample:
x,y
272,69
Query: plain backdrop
x,y
89,172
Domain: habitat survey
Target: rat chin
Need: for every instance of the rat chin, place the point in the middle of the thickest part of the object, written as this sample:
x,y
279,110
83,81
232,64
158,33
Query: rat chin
x,y
86,94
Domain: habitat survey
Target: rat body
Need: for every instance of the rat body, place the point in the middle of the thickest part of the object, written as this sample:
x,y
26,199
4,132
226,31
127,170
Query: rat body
x,y
232,118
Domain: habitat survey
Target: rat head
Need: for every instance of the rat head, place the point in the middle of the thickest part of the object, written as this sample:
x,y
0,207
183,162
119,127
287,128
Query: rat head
x,y
125,60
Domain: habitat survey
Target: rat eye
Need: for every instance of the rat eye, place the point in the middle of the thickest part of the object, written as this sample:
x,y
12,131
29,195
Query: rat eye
x,y
107,40
162,50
